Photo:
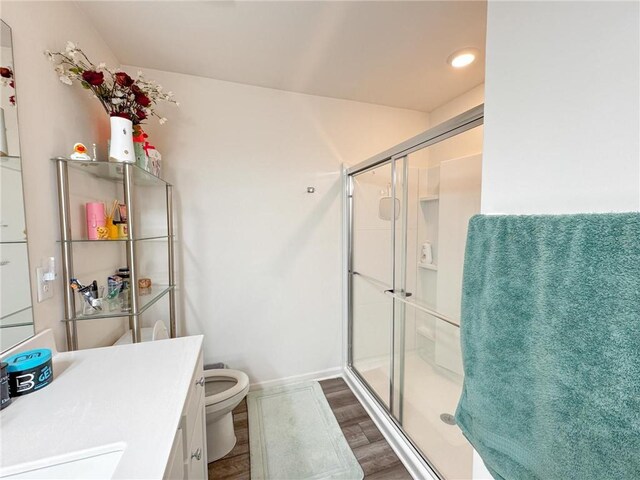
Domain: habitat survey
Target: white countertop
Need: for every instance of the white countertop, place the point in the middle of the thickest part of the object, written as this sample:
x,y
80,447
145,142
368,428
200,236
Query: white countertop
x,y
129,394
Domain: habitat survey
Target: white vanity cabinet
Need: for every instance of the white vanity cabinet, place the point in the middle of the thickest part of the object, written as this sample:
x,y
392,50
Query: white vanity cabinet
x,y
124,412
188,458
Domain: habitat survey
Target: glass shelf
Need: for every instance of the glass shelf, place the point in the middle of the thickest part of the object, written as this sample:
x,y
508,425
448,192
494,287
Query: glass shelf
x,y
428,266
8,315
11,162
115,240
14,325
13,242
113,171
144,302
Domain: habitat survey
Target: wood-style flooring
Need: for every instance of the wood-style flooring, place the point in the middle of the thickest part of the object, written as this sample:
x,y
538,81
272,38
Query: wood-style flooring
x,y
377,459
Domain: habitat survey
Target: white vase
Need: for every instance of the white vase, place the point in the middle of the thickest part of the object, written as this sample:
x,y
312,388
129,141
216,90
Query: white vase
x,y
121,145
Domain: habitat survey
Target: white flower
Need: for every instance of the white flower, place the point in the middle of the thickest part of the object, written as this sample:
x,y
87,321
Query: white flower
x,y
59,69
162,121
49,55
116,101
101,66
71,47
139,73
65,80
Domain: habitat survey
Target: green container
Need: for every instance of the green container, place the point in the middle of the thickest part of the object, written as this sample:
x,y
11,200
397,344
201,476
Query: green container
x,y
141,156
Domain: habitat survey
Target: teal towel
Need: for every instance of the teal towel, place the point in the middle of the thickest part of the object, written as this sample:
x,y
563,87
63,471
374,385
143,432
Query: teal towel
x,y
550,338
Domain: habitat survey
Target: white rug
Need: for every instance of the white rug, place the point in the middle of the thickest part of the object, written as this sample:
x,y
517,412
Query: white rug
x,y
294,435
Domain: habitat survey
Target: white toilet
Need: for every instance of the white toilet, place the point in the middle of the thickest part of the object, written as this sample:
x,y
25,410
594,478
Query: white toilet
x,y
224,390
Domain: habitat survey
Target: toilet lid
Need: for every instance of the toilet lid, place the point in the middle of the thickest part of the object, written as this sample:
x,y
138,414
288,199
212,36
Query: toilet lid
x,y
222,384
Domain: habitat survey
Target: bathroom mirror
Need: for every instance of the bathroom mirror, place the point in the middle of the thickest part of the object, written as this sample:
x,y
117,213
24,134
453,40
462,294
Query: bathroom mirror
x,y
16,313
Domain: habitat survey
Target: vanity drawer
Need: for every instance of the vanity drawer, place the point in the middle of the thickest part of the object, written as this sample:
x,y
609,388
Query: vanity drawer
x,y
196,459
193,406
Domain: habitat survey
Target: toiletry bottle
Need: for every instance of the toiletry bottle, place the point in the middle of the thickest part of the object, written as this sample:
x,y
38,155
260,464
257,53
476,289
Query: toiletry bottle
x,y
5,399
112,228
123,273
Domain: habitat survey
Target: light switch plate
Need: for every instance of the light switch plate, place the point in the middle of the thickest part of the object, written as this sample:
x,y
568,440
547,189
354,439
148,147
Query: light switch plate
x,y
45,289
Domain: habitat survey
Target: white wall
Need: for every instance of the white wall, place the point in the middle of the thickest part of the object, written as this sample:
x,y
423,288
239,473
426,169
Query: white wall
x,y
261,258
458,105
562,118
52,117
562,130
469,143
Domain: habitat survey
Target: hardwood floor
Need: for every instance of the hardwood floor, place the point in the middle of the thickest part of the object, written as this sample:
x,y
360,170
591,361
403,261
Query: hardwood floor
x,y
377,459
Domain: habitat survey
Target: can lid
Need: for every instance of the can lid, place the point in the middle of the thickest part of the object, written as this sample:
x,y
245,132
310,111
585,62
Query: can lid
x,y
28,360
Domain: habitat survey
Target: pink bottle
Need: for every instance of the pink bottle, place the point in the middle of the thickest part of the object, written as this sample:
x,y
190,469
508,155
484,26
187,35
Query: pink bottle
x,y
95,219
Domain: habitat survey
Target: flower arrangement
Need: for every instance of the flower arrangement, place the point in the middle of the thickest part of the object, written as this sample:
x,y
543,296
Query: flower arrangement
x,y
119,94
6,79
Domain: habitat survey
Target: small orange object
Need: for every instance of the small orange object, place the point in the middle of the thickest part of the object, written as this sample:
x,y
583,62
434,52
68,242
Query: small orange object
x,y
80,152
103,233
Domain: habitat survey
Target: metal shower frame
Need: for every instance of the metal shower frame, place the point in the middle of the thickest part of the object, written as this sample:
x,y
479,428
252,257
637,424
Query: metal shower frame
x,y
455,126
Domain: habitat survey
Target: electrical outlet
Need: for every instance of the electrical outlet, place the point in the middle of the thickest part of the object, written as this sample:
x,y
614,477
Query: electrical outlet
x,y
45,289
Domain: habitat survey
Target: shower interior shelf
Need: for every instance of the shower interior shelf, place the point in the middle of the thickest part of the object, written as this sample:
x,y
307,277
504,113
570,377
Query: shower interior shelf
x,y
428,266
129,177
430,198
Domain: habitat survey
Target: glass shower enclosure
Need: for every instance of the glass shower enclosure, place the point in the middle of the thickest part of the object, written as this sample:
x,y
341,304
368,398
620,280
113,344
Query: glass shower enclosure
x,y
408,210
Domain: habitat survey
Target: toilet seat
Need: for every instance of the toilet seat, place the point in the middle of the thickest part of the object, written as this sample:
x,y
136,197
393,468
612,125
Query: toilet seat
x,y
226,375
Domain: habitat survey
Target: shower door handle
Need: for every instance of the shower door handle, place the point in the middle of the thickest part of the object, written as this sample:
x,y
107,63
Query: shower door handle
x,y
393,292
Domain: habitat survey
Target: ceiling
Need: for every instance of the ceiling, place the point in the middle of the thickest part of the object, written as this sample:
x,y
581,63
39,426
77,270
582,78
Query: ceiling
x,y
390,53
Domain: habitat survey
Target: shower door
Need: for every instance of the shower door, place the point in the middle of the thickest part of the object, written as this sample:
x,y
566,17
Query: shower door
x,y
371,309
408,216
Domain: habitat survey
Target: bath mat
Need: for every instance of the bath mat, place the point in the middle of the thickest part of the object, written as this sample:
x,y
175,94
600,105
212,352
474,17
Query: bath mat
x,y
294,436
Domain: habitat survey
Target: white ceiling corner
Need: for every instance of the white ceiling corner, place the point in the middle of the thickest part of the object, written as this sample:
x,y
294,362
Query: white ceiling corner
x,y
389,52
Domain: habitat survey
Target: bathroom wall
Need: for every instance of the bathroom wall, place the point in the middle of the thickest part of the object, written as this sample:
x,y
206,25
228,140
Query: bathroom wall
x,y
562,124
468,144
260,258
52,117
562,112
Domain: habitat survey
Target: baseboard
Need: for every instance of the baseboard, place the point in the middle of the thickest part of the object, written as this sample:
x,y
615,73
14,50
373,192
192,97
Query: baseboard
x,y
408,455
320,375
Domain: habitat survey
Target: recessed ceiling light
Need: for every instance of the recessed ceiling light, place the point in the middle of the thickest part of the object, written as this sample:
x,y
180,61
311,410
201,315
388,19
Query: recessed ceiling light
x,y
463,57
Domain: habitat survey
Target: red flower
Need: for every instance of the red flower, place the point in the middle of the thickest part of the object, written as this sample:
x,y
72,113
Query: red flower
x,y
12,99
136,89
140,114
93,78
123,79
121,115
143,100
12,84
6,72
